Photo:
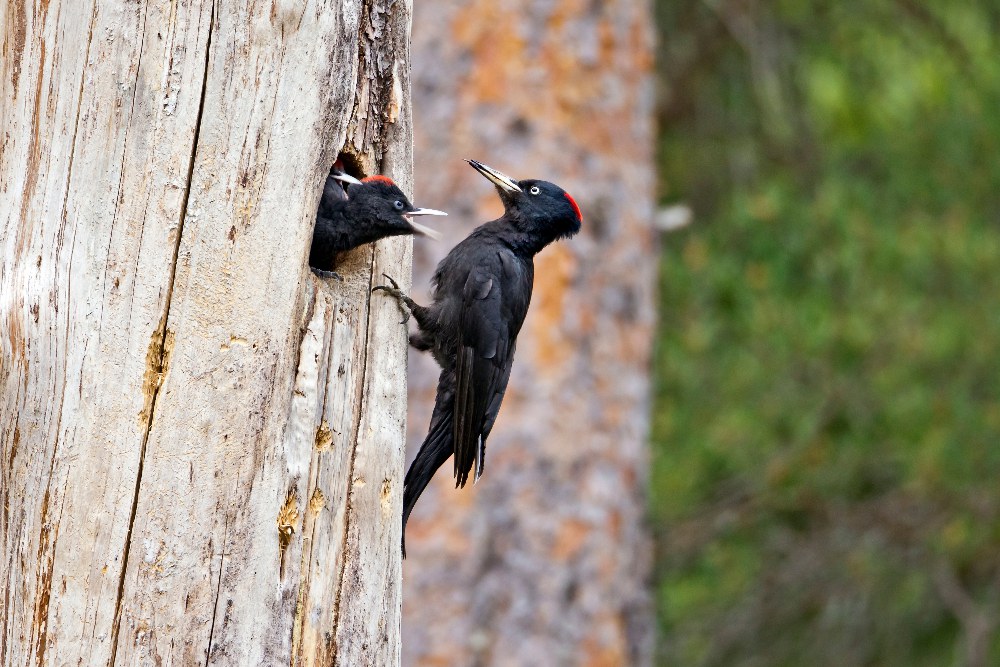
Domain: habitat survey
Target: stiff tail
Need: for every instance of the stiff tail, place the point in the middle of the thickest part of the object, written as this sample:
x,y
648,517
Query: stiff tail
x,y
435,450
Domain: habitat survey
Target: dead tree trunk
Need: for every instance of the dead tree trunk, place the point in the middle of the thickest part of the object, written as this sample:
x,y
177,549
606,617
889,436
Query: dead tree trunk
x,y
545,561
201,442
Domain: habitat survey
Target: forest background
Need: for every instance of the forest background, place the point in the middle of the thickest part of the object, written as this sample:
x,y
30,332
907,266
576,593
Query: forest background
x,y
827,403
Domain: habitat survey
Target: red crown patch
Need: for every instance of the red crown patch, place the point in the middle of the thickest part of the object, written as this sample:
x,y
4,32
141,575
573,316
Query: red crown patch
x,y
572,202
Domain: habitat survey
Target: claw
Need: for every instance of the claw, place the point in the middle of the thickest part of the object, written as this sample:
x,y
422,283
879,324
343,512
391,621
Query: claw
x,y
392,282
390,290
326,274
396,293
394,290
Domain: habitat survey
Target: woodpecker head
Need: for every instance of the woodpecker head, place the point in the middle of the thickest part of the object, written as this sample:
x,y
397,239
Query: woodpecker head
x,y
539,205
380,203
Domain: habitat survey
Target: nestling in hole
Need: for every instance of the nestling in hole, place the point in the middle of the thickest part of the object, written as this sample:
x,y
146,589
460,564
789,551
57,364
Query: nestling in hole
x,y
354,211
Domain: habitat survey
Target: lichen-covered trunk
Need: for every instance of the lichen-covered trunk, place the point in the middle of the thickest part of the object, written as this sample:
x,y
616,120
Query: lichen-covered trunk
x,y
201,442
544,561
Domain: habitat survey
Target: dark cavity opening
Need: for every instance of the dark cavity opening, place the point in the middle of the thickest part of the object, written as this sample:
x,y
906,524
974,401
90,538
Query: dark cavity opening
x,y
348,163
323,262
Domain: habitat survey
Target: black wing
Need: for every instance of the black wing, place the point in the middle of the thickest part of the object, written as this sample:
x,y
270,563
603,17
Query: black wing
x,y
490,321
333,191
329,238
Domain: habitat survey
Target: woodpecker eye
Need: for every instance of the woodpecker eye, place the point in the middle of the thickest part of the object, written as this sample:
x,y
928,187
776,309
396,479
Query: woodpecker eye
x,y
534,190
399,205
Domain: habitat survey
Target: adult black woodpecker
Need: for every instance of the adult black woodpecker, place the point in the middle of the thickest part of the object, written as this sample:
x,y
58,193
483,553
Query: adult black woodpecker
x,y
481,293
360,212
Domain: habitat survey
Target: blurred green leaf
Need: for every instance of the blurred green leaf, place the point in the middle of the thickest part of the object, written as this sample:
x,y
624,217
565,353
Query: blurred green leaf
x,y
827,422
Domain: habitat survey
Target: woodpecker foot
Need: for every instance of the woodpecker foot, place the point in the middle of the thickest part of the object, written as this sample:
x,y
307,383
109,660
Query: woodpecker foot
x,y
326,274
405,302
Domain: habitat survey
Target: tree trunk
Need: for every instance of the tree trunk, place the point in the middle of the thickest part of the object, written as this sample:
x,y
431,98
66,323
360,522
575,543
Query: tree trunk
x,y
545,560
201,442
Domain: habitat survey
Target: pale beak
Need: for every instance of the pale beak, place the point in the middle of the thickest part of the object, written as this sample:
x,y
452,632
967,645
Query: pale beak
x,y
344,178
421,229
499,179
424,211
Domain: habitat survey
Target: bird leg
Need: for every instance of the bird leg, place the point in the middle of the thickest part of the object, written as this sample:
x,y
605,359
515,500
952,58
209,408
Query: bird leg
x,y
410,306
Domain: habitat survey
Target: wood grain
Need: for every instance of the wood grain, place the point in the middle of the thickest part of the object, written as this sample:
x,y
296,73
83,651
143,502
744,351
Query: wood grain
x,y
201,441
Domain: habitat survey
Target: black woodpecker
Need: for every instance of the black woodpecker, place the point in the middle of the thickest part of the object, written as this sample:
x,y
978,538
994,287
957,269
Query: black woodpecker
x,y
481,293
365,211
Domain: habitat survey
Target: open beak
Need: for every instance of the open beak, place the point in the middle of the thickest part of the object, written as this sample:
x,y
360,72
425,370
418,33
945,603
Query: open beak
x,y
499,179
421,229
344,177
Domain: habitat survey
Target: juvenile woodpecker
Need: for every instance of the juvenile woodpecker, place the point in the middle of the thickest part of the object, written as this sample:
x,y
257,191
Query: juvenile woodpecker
x,y
481,293
360,212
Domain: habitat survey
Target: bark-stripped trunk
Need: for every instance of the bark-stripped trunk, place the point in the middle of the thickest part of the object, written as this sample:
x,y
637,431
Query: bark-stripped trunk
x,y
544,561
201,442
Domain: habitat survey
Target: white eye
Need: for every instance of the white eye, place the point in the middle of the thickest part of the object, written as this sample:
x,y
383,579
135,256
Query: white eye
x,y
534,190
398,205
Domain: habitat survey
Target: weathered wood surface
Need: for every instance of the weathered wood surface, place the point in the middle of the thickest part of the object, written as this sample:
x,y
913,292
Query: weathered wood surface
x,y
544,561
201,442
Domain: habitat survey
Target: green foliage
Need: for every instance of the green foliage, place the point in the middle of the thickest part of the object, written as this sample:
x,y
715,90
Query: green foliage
x,y
826,476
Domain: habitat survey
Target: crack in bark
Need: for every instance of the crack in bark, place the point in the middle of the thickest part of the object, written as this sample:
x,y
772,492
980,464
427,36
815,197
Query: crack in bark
x,y
354,454
218,592
161,333
368,128
298,618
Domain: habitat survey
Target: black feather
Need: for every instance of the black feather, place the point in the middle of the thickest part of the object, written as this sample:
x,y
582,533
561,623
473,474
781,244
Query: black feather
x,y
362,213
482,290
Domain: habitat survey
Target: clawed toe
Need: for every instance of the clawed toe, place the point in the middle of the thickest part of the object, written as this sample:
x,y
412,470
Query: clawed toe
x,y
397,293
394,290
327,274
392,282
391,291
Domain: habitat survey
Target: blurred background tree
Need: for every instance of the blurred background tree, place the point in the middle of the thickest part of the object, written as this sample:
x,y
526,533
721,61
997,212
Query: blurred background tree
x,y
825,488
545,561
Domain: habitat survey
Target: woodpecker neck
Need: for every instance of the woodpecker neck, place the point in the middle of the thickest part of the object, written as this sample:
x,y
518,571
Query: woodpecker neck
x,y
525,243
525,238
367,233
349,225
